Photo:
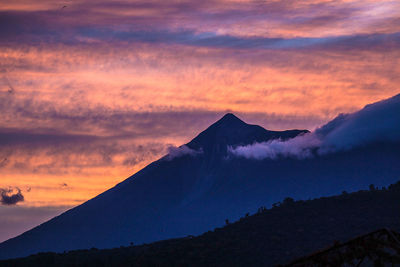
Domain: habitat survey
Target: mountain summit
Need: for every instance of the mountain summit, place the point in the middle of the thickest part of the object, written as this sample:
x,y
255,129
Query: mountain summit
x,y
193,193
229,119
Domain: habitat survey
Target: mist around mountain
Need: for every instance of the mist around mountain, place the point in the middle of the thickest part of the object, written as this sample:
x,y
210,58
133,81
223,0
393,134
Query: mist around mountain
x,y
375,123
279,235
198,186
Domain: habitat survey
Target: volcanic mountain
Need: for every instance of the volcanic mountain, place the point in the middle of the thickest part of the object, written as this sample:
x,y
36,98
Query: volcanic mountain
x,y
201,184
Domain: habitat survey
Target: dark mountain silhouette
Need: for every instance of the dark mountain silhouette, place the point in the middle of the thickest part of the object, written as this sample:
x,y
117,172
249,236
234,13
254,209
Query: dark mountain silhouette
x,y
279,235
189,194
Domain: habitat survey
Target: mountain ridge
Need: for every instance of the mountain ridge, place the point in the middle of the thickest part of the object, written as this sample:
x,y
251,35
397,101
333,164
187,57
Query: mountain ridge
x,y
230,130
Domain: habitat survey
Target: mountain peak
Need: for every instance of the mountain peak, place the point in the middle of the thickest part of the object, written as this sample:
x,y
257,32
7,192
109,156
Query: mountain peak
x,y
229,120
230,117
230,131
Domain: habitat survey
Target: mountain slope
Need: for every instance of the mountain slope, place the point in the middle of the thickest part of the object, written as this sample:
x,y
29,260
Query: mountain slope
x,y
153,204
188,194
274,236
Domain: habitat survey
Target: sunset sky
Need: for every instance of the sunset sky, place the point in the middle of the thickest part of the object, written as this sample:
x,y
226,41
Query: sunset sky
x,y
92,91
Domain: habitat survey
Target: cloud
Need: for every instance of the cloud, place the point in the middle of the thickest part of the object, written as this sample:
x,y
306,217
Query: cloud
x,y
208,37
11,137
80,157
176,152
11,196
215,40
112,139
378,122
237,24
299,147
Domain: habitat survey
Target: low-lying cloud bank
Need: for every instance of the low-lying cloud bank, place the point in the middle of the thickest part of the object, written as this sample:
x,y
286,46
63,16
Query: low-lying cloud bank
x,y
299,147
176,152
378,122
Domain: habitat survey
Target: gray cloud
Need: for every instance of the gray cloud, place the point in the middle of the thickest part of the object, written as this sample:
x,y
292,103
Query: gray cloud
x,y
123,123
11,196
53,26
216,40
79,157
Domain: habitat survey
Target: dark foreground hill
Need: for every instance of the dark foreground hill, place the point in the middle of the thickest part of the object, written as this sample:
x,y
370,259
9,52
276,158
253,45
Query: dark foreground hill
x,y
377,248
287,231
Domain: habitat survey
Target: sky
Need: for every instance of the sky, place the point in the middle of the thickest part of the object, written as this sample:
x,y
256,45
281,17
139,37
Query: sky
x,y
92,91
